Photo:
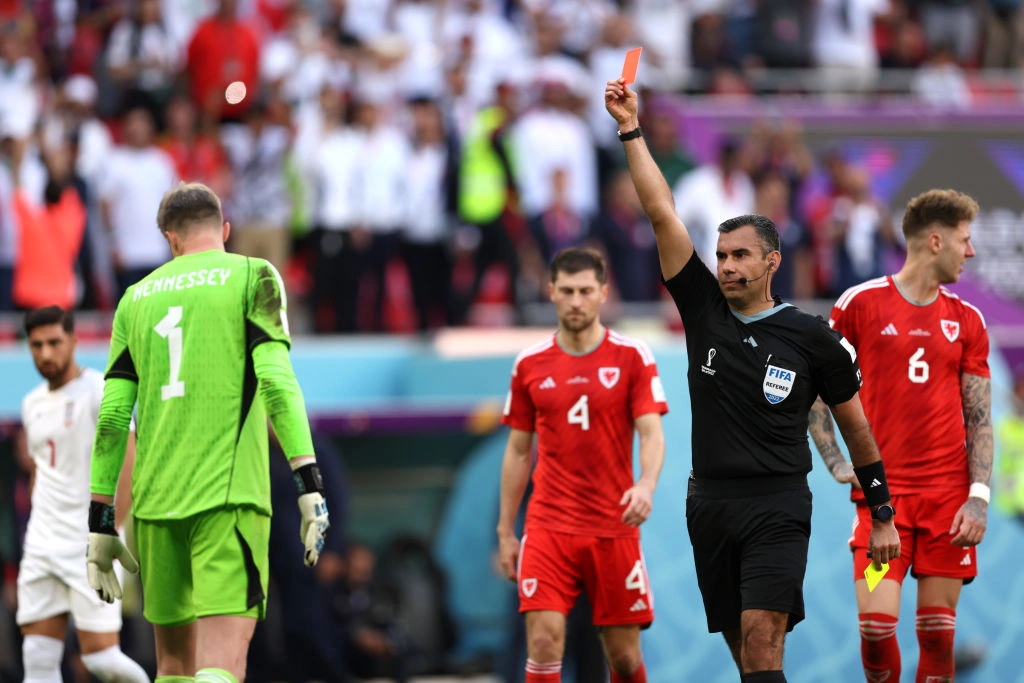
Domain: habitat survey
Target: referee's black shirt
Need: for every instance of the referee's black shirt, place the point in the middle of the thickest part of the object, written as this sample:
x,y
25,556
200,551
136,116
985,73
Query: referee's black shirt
x,y
753,379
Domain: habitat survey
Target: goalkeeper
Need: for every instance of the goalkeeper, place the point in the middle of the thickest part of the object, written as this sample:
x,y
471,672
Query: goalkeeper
x,y
202,344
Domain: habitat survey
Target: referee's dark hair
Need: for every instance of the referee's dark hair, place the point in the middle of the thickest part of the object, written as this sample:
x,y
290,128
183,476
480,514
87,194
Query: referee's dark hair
x,y
577,259
763,226
948,208
49,315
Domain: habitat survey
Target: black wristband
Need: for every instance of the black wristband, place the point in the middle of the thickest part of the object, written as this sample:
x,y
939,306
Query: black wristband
x,y
101,518
872,481
308,479
630,135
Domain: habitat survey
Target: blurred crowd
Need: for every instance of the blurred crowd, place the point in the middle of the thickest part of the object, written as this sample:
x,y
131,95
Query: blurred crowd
x,y
408,164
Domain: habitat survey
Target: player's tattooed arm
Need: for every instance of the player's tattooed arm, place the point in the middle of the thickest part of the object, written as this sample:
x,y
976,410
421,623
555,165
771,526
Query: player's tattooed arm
x,y
970,523
976,393
822,430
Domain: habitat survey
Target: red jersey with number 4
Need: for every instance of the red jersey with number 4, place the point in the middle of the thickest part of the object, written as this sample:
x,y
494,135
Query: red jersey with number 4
x,y
912,357
582,409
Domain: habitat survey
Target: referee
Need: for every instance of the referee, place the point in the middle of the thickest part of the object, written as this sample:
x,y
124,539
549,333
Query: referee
x,y
756,367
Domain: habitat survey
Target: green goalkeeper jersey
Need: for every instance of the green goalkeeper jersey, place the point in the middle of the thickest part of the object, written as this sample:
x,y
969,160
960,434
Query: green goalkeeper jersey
x,y
186,334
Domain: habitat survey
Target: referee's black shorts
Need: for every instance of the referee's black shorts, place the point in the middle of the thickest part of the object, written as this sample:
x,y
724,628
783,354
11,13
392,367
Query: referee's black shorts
x,y
749,546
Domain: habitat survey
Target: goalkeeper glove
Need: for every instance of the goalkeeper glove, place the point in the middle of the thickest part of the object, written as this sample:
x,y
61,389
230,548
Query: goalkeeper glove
x,y
104,547
313,507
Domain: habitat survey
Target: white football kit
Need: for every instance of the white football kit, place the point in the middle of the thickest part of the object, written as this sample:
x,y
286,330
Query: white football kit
x,y
59,428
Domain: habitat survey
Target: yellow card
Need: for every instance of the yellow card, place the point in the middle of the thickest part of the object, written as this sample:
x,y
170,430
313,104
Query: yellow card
x,y
875,575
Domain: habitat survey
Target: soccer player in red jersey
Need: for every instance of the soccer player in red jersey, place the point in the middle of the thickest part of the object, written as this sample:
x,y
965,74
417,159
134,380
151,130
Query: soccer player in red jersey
x,y
583,391
923,352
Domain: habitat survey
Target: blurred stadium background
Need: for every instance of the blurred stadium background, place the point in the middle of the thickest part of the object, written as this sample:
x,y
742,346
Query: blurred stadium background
x,y
411,165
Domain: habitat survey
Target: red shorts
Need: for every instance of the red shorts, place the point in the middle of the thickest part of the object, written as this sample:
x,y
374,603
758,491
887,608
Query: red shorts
x,y
923,520
554,568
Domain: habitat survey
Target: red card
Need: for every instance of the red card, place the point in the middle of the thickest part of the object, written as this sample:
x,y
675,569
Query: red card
x,y
630,65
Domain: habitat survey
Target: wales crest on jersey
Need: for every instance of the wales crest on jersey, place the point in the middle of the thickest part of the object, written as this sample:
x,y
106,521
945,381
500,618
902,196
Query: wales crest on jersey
x,y
777,384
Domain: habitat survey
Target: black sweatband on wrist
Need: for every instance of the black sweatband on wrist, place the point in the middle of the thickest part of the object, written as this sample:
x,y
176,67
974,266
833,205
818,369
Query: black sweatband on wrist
x,y
630,135
101,518
308,479
872,482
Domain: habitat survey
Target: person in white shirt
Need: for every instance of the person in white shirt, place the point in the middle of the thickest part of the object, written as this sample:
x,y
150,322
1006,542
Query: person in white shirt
x,y
712,193
379,194
136,176
59,420
425,242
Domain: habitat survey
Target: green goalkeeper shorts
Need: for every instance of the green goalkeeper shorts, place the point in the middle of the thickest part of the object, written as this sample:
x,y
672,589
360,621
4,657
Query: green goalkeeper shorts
x,y
212,563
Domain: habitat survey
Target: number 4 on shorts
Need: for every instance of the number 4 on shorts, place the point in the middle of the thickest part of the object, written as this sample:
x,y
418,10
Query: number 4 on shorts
x,y
637,579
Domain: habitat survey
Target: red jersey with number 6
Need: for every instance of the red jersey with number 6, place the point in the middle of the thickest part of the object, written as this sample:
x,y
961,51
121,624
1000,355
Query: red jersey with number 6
x,y
912,357
582,409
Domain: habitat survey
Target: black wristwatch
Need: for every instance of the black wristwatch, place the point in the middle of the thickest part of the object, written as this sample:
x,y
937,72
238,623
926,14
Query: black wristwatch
x,y
883,513
630,135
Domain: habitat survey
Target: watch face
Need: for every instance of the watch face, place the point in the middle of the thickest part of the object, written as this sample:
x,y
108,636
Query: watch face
x,y
884,513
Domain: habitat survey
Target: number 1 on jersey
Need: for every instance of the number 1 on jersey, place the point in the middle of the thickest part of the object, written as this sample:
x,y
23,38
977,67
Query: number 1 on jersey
x,y
169,329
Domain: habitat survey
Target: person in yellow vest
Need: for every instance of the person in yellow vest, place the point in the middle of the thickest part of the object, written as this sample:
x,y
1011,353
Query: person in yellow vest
x,y
487,197
1010,456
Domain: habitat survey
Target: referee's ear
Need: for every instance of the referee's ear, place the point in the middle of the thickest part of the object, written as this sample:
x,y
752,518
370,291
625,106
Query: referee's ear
x,y
774,261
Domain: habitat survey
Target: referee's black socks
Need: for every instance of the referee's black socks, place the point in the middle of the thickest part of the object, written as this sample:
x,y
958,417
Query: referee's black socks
x,y
764,677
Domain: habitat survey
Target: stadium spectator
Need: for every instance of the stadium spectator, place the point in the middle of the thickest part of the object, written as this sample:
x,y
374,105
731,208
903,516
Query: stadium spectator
x,y
8,226
1003,34
954,23
260,205
135,177
536,159
59,418
941,82
861,228
223,50
783,33
329,153
899,39
927,394
50,234
1009,492
428,222
584,391
779,148
488,201
297,63
73,121
748,508
712,193
772,200
844,43
202,532
313,633
197,154
665,30
142,60
624,232
376,643
664,139
559,226
379,195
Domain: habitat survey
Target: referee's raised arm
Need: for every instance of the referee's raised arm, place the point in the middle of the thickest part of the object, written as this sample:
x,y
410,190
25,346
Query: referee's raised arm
x,y
674,244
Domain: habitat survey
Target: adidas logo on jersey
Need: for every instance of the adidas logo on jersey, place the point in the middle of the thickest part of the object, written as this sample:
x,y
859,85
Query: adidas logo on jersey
x,y
638,606
890,330
966,562
874,483
549,383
